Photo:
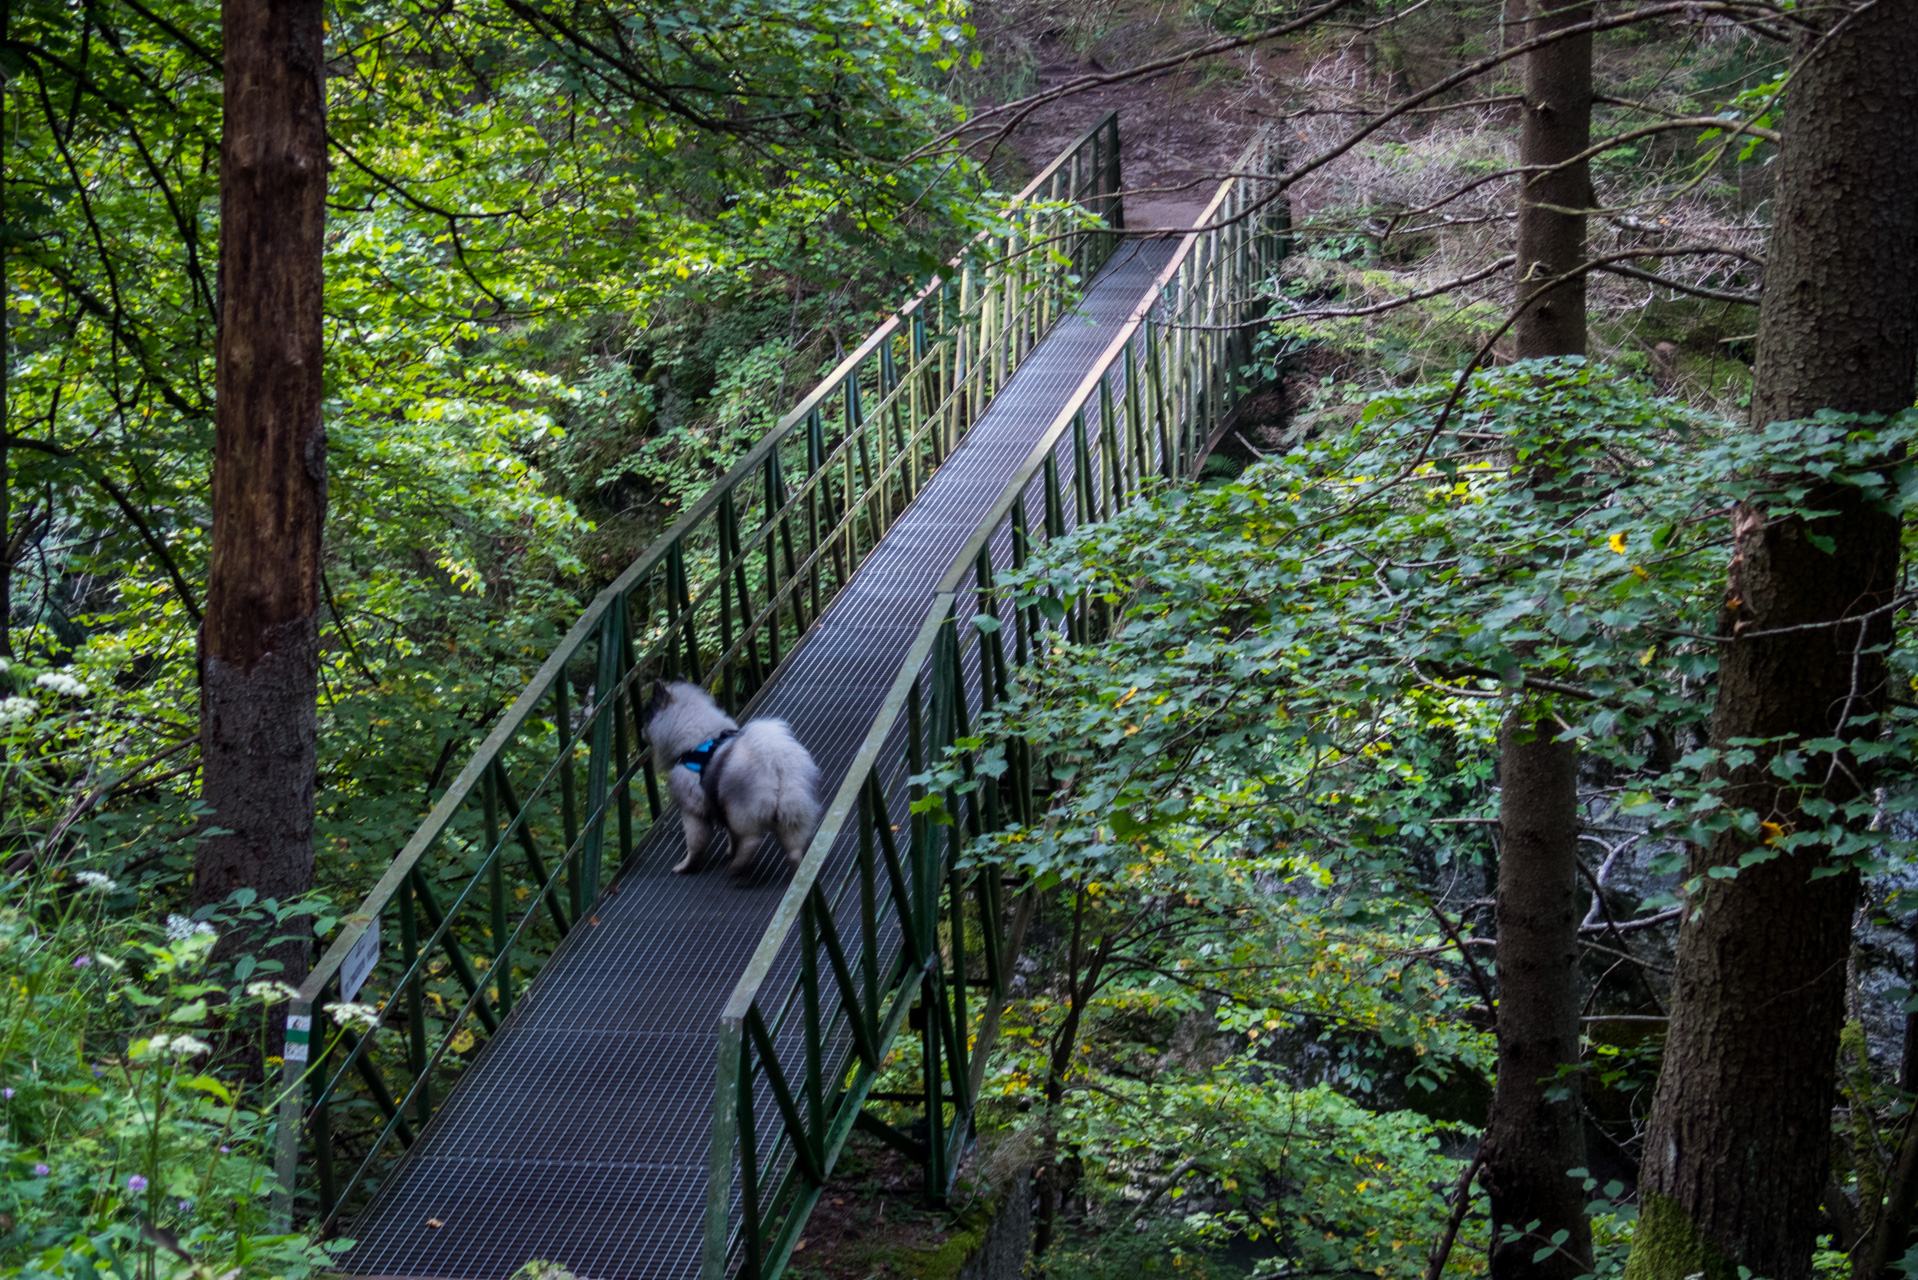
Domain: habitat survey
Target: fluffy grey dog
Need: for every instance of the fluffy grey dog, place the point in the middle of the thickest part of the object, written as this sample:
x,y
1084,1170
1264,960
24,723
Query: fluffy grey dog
x,y
753,781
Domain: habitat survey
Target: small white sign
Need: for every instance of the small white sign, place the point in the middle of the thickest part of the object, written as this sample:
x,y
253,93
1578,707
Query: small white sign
x,y
360,961
299,1030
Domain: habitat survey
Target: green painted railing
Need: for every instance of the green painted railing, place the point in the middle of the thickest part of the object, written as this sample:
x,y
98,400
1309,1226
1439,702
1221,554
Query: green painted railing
x,y
878,928
513,854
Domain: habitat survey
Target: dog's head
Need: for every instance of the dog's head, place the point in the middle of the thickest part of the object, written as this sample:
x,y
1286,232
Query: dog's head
x,y
662,697
682,705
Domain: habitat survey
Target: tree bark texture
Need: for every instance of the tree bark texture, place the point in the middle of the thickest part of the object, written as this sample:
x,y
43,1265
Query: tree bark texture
x,y
259,644
1531,1140
1557,125
1736,1153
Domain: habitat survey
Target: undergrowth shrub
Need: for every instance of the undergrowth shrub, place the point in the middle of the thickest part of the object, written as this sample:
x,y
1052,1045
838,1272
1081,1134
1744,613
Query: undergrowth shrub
x,y
135,1136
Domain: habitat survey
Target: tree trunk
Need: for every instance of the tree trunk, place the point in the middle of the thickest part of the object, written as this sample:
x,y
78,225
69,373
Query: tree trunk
x,y
1052,1178
1908,1057
1532,1141
1735,1156
1557,125
259,645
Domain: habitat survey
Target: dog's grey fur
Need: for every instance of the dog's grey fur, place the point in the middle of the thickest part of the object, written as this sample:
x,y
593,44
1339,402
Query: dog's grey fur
x,y
761,782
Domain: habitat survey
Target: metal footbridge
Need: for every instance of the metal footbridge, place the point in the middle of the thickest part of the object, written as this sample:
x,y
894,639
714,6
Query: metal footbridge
x,y
582,1058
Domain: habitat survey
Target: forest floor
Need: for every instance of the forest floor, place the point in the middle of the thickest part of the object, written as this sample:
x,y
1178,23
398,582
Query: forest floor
x,y
1180,130
872,1222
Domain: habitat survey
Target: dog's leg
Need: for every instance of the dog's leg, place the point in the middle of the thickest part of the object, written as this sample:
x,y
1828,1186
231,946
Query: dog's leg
x,y
699,838
745,849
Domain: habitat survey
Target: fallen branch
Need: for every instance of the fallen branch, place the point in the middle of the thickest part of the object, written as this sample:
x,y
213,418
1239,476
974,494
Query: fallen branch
x,y
1670,913
1392,303
80,807
1664,282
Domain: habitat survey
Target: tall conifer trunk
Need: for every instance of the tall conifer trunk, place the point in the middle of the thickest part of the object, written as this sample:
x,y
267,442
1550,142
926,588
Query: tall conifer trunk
x,y
1735,1157
259,645
1531,1141
1556,126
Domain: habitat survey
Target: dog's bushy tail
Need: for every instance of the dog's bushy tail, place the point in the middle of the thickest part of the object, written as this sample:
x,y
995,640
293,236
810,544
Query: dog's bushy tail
x,y
788,804
796,810
797,827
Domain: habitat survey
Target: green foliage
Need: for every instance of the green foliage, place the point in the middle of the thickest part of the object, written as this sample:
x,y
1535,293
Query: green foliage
x,y
615,224
575,260
1340,621
1285,748
130,1139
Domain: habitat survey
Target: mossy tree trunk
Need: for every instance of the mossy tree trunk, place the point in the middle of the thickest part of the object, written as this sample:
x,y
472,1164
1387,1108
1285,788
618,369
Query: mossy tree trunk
x,y
1532,1139
259,644
1736,1152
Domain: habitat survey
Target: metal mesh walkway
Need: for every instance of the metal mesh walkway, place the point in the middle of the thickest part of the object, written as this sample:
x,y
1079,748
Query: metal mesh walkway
x,y
582,1134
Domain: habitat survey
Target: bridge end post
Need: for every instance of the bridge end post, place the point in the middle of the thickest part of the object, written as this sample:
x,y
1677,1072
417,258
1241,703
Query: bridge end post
x,y
719,1191
1114,176
286,1140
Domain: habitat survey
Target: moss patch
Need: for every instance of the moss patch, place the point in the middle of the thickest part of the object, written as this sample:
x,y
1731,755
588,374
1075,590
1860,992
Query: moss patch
x,y
944,1262
1667,1245
872,1223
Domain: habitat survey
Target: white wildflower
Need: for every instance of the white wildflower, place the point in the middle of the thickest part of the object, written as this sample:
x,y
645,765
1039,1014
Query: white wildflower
x,y
14,710
179,928
94,880
271,992
61,683
355,1016
180,1046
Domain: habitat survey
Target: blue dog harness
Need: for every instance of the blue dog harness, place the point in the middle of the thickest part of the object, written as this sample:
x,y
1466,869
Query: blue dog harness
x,y
698,760
702,755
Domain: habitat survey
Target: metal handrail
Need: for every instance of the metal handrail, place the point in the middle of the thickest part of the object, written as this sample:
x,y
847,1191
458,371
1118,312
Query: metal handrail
x,y
1171,361
907,394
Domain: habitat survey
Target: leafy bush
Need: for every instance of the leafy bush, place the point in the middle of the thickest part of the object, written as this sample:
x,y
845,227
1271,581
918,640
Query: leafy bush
x,y
134,1138
1276,779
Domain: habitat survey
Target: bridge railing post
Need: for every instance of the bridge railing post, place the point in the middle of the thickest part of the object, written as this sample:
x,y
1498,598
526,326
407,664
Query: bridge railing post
x,y
725,1134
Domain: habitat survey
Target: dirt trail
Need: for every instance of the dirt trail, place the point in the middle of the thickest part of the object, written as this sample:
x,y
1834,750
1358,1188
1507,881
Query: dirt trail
x,y
1179,131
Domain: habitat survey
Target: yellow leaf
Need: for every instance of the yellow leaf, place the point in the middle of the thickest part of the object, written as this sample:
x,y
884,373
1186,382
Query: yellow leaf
x,y
1618,543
